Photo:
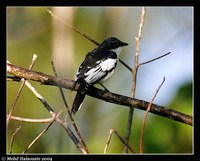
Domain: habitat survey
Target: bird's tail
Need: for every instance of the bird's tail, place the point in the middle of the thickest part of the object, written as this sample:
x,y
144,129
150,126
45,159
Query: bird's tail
x,y
83,88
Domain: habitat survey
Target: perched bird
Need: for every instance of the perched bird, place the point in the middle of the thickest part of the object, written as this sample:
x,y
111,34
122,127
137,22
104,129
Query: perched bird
x,y
98,66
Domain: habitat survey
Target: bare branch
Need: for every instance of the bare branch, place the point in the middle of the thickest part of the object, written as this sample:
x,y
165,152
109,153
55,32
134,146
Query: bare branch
x,y
134,74
81,33
69,113
51,111
100,94
64,125
129,68
108,141
145,117
12,138
13,78
70,26
28,120
40,135
72,136
19,91
154,59
46,105
120,138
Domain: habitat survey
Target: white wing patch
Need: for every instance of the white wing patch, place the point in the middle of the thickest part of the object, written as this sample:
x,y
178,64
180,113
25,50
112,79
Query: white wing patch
x,y
108,64
100,71
94,74
76,76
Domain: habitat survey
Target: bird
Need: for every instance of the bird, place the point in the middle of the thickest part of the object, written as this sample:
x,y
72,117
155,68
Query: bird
x,y
97,67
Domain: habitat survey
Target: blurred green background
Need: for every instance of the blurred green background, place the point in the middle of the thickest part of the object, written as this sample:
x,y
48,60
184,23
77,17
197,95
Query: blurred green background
x,y
32,30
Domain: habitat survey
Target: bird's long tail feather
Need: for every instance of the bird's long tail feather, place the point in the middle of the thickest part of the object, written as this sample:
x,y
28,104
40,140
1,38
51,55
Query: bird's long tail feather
x,y
83,88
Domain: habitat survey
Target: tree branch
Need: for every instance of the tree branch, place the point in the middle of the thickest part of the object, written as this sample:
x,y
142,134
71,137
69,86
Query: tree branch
x,y
69,113
40,135
154,59
145,116
120,138
134,77
19,91
28,120
12,138
100,94
81,33
62,123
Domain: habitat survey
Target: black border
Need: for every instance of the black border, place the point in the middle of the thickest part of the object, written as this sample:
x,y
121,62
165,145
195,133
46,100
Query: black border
x,y
196,85
97,3
3,81
6,3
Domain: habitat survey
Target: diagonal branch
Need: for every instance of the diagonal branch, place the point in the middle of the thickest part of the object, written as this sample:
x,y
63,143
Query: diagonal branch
x,y
69,113
154,59
145,116
62,123
55,118
70,26
82,34
40,135
19,91
100,94
120,138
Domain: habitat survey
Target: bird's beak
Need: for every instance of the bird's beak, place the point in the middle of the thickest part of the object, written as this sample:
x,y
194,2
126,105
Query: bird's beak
x,y
124,44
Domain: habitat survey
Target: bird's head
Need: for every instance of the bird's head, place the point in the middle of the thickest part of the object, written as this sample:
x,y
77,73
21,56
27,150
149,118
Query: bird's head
x,y
112,44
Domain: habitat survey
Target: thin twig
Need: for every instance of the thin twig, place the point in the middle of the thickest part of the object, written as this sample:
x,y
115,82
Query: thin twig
x,y
69,113
101,94
108,141
19,91
81,33
61,91
121,139
70,26
28,120
12,78
51,111
46,105
154,59
12,138
72,136
123,63
134,74
64,125
145,117
41,134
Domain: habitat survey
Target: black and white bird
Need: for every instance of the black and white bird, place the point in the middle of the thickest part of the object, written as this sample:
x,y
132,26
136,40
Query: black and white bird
x,y
98,66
